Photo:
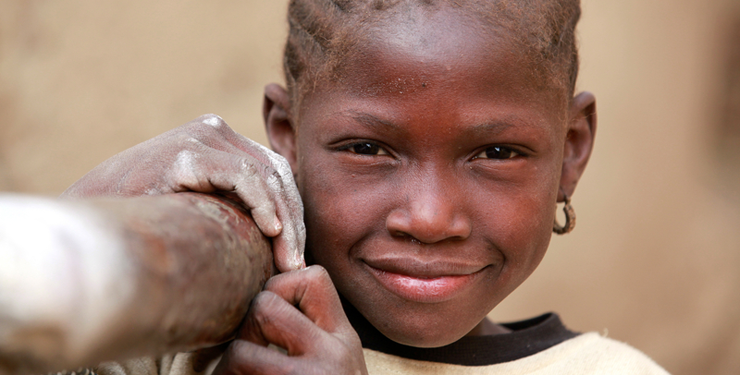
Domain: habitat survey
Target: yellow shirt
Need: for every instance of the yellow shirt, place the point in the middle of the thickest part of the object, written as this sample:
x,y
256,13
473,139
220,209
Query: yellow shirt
x,y
588,353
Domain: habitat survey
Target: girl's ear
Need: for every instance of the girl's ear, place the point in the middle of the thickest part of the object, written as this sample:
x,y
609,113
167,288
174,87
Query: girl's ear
x,y
278,124
579,142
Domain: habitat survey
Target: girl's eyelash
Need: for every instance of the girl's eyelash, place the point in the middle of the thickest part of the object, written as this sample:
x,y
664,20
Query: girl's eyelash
x,y
370,148
498,153
364,148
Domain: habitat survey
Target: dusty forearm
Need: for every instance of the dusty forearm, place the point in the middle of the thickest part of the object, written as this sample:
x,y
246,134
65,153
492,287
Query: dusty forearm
x,y
95,280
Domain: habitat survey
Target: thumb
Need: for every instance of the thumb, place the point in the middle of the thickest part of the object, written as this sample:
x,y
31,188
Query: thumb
x,y
312,291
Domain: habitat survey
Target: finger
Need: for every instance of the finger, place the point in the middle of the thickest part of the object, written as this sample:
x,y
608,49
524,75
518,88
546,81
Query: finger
x,y
289,246
288,253
243,357
273,320
313,292
209,170
258,193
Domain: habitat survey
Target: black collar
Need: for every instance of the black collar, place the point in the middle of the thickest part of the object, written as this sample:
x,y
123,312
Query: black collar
x,y
528,337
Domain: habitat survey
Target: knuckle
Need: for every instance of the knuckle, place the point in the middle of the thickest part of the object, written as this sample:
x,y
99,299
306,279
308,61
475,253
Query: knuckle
x,y
283,166
274,179
248,168
279,162
317,274
262,305
205,126
275,174
212,120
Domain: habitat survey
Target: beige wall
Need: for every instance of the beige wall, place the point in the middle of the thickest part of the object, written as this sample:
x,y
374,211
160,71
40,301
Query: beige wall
x,y
655,259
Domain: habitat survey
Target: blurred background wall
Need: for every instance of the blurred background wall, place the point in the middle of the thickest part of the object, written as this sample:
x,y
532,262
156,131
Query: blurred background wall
x,y
655,259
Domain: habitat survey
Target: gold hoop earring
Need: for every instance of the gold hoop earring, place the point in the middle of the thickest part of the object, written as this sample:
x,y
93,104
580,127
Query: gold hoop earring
x,y
570,218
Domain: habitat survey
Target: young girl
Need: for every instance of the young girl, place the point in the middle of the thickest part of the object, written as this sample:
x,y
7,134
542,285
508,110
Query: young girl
x,y
429,142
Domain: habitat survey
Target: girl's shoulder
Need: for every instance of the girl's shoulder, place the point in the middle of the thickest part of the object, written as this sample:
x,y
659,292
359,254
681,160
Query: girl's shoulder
x,y
588,353
541,346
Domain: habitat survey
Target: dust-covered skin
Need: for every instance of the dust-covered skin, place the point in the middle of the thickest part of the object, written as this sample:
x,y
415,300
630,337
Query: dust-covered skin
x,y
206,155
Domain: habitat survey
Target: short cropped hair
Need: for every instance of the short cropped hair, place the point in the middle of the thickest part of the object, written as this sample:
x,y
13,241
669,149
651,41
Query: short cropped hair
x,y
324,32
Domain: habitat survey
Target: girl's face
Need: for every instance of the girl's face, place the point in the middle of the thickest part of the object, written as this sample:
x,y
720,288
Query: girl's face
x,y
429,174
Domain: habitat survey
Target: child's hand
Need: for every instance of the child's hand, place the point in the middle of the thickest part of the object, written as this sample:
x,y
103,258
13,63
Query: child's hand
x,y
206,155
299,311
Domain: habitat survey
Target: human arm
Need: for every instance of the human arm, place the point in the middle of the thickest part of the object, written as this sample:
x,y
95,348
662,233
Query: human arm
x,y
107,279
207,156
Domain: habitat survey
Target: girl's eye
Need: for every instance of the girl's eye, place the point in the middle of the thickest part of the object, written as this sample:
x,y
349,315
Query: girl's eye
x,y
497,152
365,148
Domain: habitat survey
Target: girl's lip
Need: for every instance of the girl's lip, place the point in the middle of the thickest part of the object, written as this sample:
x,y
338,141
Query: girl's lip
x,y
424,289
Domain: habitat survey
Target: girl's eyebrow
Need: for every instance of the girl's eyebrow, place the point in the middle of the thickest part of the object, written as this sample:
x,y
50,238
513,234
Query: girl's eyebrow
x,y
372,121
375,122
490,128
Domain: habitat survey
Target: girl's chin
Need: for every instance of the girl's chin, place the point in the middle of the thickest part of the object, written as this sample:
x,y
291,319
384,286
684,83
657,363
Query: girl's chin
x,y
425,342
425,337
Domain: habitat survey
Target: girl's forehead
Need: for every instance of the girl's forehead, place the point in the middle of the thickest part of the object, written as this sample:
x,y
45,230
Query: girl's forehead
x,y
442,48
443,77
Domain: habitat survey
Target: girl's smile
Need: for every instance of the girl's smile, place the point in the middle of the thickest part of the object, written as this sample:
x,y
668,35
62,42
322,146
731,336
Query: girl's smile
x,y
425,283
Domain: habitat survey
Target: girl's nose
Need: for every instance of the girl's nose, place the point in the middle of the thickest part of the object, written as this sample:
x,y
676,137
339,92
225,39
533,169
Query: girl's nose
x,y
430,214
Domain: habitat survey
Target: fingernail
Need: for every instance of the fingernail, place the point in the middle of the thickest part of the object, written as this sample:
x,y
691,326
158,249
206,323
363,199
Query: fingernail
x,y
300,262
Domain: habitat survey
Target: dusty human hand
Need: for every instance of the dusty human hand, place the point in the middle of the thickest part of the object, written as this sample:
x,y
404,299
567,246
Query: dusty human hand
x,y
207,156
300,312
